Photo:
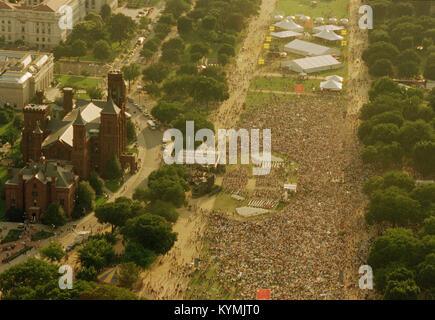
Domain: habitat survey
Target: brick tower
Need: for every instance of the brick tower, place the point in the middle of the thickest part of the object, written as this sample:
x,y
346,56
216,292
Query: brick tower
x,y
79,154
34,116
117,91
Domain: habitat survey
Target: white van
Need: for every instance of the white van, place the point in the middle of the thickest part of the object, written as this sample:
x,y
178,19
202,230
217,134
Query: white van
x,y
151,124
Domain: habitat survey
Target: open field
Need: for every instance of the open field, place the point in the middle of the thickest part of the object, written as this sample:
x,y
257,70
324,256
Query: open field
x,y
325,9
77,82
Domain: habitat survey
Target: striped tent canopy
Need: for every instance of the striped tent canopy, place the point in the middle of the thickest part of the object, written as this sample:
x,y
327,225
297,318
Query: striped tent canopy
x,y
109,276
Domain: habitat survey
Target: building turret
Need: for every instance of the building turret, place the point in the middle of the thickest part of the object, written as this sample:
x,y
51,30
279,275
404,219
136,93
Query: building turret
x,y
80,150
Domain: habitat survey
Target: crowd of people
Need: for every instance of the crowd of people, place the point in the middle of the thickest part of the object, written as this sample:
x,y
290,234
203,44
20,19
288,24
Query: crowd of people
x,y
302,252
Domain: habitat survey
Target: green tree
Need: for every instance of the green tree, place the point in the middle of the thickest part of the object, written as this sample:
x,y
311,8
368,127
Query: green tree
x,y
423,155
14,215
96,182
414,131
381,67
85,197
426,272
54,215
208,23
394,206
137,254
128,274
402,290
95,93
164,209
102,50
106,12
184,25
131,72
131,132
78,48
395,246
36,280
176,7
116,214
53,251
87,274
107,292
113,169
96,253
121,27
155,73
166,112
151,231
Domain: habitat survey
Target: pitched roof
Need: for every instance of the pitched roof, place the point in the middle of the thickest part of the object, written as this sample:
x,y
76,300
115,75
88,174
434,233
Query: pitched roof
x,y
110,107
331,84
285,34
79,120
288,25
45,171
328,35
306,48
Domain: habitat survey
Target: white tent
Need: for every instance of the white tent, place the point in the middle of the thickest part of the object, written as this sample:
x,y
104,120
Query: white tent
x,y
285,34
288,25
335,78
344,21
291,18
250,211
331,85
312,64
328,35
333,20
306,48
278,17
319,19
306,18
329,27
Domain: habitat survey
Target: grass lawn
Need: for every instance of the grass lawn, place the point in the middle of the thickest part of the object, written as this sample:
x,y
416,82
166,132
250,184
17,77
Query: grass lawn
x,y
41,234
282,84
3,173
100,200
78,82
113,186
13,235
325,9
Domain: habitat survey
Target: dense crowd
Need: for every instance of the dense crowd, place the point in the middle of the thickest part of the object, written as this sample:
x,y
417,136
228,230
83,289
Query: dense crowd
x,y
303,251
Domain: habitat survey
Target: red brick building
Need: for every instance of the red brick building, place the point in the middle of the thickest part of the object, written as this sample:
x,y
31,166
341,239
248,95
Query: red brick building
x,y
85,137
38,184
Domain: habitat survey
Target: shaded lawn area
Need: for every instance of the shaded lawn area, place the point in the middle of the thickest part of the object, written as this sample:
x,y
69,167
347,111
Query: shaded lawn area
x,y
100,200
116,50
4,128
113,186
332,8
13,235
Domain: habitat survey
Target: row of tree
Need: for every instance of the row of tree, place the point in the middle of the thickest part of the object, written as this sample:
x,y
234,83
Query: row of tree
x,y
398,129
97,33
397,125
402,41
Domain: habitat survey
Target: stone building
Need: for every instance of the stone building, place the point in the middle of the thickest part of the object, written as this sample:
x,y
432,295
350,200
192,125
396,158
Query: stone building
x,y
38,184
22,74
36,22
88,135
